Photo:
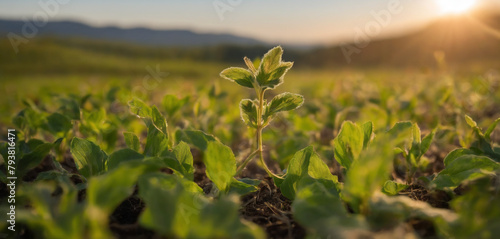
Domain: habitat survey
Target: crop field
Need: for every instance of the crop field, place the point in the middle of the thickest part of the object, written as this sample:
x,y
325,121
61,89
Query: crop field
x,y
257,149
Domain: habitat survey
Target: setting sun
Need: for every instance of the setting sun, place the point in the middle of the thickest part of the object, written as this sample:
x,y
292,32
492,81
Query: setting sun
x,y
455,6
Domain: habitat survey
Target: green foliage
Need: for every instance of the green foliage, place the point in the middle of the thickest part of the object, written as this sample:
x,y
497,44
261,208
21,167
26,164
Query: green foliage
x,y
482,144
477,213
240,76
172,104
465,168
121,156
184,160
61,202
271,70
392,188
369,173
248,109
58,124
244,186
415,148
463,165
35,152
319,208
386,211
54,217
90,160
106,192
350,141
132,141
176,207
196,138
221,165
283,102
157,140
306,164
258,113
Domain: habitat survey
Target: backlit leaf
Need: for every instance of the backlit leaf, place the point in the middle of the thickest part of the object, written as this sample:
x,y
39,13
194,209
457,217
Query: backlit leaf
x,y
239,75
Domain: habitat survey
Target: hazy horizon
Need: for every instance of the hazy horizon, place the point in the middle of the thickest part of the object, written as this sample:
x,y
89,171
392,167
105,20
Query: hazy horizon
x,y
317,22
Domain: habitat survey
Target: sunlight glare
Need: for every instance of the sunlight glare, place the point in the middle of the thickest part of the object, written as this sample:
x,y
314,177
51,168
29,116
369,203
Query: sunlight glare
x,y
455,6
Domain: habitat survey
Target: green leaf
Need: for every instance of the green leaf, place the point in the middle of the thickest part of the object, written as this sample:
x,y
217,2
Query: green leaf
x,y
158,120
171,104
367,133
306,163
426,142
490,129
139,108
470,121
197,138
387,211
173,204
70,108
220,165
177,208
111,94
456,154
477,213
242,187
392,188
221,219
33,159
52,216
122,155
272,70
151,115
157,139
96,118
465,168
368,174
416,134
401,128
248,112
156,142
29,119
415,151
406,133
239,75
348,144
283,102
58,124
320,210
106,192
271,60
90,160
161,197
132,141
182,155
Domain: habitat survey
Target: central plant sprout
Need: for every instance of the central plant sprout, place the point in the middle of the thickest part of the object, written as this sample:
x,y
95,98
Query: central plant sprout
x,y
258,113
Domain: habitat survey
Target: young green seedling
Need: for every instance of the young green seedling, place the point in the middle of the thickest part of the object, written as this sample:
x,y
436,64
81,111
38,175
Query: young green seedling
x,y
414,152
258,113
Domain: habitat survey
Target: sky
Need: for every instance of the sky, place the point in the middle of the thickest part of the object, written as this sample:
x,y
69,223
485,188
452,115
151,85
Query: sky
x,y
273,21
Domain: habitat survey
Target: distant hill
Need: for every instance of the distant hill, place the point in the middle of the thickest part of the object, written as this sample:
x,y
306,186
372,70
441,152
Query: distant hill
x,y
459,39
142,36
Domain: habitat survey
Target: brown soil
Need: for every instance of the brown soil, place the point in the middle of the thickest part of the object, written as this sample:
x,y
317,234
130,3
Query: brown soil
x,y
268,208
438,199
